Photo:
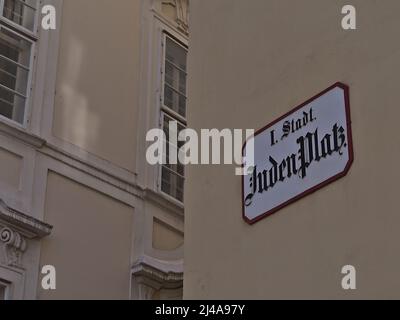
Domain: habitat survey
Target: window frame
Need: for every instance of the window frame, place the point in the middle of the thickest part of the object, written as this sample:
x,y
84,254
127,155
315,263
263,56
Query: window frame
x,y
167,111
172,172
32,34
166,35
7,289
32,38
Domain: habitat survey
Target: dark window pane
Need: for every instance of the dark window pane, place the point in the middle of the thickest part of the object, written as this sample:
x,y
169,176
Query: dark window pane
x,y
175,77
15,53
21,12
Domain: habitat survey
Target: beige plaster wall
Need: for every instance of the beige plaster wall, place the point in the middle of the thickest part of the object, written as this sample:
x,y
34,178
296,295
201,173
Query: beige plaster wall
x,y
251,62
97,79
166,237
10,168
90,246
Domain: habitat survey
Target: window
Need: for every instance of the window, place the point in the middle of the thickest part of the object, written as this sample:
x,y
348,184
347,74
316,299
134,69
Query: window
x,y
3,291
17,39
173,109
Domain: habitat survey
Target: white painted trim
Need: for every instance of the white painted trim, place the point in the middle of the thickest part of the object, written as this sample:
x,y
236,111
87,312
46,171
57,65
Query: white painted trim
x,y
6,287
13,129
22,29
165,201
46,164
150,275
92,168
154,26
16,280
6,26
162,265
28,226
18,197
172,213
46,74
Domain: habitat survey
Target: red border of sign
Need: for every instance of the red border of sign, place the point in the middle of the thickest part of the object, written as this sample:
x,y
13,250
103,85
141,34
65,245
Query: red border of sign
x,y
324,183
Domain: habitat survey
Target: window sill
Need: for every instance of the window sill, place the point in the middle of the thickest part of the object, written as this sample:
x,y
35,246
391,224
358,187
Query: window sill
x,y
165,201
15,130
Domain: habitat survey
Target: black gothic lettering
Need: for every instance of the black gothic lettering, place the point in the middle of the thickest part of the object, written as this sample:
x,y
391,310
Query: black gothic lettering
x,y
311,149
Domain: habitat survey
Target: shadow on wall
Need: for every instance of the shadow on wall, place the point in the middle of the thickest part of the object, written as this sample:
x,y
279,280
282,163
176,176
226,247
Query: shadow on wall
x,y
95,105
75,106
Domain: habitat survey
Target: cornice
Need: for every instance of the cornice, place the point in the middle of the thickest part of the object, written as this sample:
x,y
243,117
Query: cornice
x,y
181,21
164,201
15,229
28,226
21,134
159,274
74,161
91,168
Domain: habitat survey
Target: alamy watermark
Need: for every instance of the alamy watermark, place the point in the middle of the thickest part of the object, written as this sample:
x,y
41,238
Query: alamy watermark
x,y
49,18
349,279
190,147
348,21
49,277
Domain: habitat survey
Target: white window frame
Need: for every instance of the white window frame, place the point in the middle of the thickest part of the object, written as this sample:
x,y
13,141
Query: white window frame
x,y
7,289
33,34
163,114
165,110
14,280
32,37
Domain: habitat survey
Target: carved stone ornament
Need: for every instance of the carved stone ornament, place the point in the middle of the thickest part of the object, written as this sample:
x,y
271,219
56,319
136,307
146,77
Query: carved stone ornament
x,y
16,229
182,13
151,275
14,245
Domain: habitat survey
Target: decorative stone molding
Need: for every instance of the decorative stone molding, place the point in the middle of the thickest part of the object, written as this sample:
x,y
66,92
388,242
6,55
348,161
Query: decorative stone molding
x,y
28,226
181,13
169,279
151,275
14,245
18,132
15,229
145,292
182,8
164,202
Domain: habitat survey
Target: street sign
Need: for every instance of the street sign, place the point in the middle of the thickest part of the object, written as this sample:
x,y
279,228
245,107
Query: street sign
x,y
299,153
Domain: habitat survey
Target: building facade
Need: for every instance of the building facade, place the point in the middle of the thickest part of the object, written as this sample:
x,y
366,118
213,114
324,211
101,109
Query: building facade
x,y
76,191
251,63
